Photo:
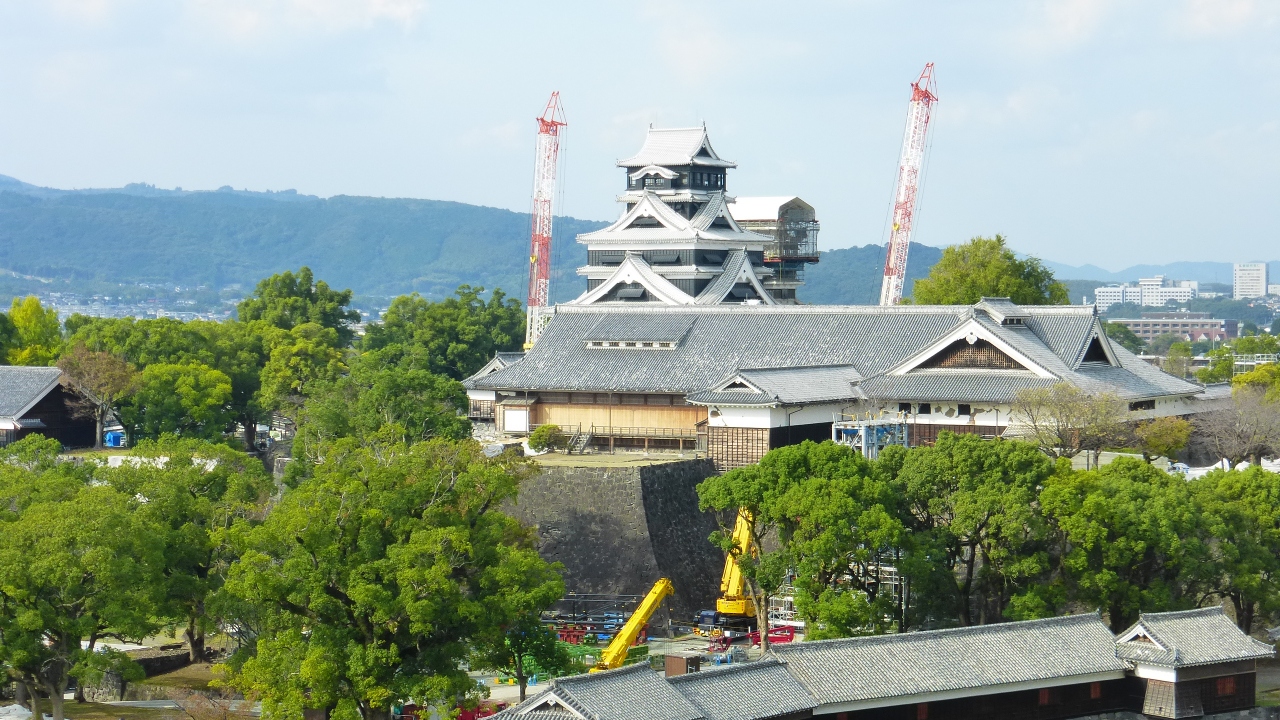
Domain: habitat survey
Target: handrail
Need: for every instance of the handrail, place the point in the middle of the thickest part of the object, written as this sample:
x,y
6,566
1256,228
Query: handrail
x,y
644,432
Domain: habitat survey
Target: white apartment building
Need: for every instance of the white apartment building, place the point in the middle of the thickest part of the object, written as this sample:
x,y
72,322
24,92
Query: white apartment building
x,y
1273,290
1148,292
1249,281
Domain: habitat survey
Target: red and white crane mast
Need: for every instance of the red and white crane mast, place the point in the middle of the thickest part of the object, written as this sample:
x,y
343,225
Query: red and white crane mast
x,y
544,193
923,96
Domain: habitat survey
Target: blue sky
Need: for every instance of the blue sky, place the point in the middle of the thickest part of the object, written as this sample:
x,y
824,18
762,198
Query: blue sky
x,y
1085,131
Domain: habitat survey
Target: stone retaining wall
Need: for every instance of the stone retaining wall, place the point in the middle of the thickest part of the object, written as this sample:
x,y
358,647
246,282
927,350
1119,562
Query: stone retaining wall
x,y
618,529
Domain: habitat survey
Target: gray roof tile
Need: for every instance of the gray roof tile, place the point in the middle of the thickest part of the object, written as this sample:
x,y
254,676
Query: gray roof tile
x,y
631,693
894,666
941,385
20,386
789,386
761,689
1190,637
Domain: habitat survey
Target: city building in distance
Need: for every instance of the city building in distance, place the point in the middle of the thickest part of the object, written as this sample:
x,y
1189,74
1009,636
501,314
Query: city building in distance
x,y
1193,326
1249,280
1148,292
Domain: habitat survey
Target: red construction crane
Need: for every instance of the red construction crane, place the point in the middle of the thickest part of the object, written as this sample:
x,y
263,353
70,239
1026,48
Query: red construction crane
x,y
923,96
544,193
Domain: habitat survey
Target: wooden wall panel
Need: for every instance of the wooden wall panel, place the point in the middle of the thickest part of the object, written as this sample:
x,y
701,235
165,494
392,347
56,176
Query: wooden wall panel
x,y
652,416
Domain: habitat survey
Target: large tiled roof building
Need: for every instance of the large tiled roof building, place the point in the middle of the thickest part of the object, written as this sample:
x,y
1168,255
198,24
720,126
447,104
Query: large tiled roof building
x,y
745,379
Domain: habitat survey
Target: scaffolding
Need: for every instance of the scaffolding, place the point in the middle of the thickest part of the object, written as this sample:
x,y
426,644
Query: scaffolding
x,y
870,434
1248,363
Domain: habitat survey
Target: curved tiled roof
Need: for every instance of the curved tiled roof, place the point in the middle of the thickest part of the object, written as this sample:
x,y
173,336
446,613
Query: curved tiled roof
x,y
675,146
21,386
760,689
1189,637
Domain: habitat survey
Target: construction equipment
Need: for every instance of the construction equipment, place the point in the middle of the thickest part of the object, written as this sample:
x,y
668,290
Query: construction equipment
x,y
923,96
544,192
614,655
734,613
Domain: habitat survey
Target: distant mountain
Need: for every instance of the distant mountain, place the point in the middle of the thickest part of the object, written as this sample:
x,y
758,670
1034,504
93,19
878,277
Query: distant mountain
x,y
851,276
1206,272
376,246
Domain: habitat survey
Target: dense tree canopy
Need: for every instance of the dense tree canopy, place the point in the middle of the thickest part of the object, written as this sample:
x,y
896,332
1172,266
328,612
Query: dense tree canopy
x,y
36,335
985,267
286,301
453,337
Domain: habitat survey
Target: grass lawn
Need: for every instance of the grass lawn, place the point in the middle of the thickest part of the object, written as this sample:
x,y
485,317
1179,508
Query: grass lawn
x,y
99,711
191,677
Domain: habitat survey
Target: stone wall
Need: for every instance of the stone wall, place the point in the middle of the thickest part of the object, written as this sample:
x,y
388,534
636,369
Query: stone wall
x,y
619,529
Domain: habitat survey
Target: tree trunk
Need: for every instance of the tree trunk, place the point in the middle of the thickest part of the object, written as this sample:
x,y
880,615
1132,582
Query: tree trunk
x,y
760,599
250,425
20,694
194,635
56,703
99,419
33,691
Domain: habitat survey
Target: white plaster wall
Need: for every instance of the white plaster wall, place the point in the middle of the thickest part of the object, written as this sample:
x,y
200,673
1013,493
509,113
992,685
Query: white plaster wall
x,y
740,417
482,394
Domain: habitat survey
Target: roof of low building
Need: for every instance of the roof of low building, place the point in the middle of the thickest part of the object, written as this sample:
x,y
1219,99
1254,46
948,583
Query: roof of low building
x,y
783,386
921,663
876,342
633,692
1188,637
760,689
762,209
21,387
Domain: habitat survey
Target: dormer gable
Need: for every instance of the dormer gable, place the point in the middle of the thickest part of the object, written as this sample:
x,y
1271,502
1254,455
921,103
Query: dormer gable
x,y
971,347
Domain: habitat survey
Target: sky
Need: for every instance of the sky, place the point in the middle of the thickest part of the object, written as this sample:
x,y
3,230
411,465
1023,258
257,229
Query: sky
x,y
1085,131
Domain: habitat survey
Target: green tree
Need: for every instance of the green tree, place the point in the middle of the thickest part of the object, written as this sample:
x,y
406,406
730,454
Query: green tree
x,y
375,575
418,404
455,336
1160,344
1123,336
1065,420
8,337
1127,535
191,400
1162,437
302,358
525,646
37,330
234,348
547,437
838,523
1241,513
1263,378
286,301
193,490
78,564
1220,368
973,501
1177,361
985,267
103,379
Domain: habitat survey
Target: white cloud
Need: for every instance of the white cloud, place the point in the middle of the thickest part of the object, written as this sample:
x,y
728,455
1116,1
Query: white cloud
x,y
1206,18
1063,24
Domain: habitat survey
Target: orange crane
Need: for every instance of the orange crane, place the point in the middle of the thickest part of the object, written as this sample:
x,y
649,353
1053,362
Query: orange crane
x,y
544,193
923,96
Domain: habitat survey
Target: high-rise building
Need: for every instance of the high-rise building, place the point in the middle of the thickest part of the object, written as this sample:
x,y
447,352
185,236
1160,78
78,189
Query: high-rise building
x,y
1249,280
679,241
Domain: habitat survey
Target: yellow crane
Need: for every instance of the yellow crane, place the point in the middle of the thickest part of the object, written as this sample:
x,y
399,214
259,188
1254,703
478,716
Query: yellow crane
x,y
616,653
732,601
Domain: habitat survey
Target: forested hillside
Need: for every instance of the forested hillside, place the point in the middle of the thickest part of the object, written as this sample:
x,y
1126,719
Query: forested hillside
x,y
375,246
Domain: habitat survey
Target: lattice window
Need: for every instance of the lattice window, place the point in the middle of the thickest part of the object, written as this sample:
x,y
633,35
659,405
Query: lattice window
x,y
732,448
978,355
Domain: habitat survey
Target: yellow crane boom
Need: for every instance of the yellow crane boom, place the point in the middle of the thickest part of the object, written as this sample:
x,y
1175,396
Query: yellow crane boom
x,y
616,653
732,601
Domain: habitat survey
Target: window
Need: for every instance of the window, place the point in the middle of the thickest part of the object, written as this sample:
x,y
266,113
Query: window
x,y
1226,686
904,407
1142,405
1095,690
964,409
925,409
922,711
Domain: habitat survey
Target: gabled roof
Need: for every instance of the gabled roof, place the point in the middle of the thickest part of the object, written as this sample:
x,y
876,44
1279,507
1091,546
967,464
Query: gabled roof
x,y
674,147
634,269
633,692
737,269
499,361
1187,638
761,689
960,662
672,226
785,386
22,387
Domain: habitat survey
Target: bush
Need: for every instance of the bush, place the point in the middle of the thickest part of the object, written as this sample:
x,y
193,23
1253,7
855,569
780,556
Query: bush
x,y
546,437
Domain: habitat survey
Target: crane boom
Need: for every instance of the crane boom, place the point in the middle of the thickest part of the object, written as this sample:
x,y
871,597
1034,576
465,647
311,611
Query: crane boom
x,y
544,192
923,96
614,655
732,600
